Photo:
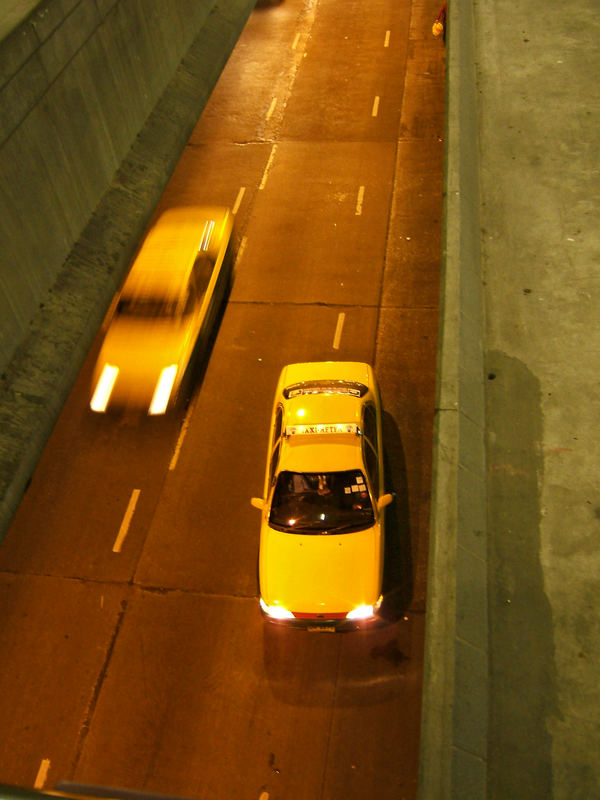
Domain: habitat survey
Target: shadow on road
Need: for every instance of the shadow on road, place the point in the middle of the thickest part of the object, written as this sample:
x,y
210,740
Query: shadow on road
x,y
398,576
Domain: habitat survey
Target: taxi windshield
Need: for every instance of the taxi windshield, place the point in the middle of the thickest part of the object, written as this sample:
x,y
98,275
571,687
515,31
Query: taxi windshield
x,y
321,503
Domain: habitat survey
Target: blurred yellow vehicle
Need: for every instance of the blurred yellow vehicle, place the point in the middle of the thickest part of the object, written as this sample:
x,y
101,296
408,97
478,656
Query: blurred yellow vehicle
x,y
168,303
322,531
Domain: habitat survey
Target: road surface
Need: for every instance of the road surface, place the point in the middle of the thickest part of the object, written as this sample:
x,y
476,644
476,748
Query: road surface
x,y
134,653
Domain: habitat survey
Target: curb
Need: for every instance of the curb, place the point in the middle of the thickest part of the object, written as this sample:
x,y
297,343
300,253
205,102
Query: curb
x,y
454,725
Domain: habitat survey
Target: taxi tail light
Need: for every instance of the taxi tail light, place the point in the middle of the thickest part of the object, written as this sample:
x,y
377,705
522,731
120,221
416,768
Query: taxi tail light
x,y
104,388
275,612
162,393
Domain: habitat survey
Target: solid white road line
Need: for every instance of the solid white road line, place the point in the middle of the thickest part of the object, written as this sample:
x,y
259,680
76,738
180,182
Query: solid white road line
x,y
240,251
338,330
268,167
126,521
359,201
296,40
40,778
181,437
238,200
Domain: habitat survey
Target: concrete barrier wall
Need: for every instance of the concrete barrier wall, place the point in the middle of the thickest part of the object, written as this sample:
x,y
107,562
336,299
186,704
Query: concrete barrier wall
x,y
83,165
453,759
78,79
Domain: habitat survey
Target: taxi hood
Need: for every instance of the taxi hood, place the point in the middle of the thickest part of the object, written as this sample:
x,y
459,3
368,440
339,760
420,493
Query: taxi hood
x,y
320,573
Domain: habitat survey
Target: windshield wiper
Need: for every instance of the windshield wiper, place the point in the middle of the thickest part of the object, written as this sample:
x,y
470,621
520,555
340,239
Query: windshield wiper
x,y
358,526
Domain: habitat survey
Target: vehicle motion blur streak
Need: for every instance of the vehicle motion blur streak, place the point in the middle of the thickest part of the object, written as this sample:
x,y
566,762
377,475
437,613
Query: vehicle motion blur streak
x,y
166,307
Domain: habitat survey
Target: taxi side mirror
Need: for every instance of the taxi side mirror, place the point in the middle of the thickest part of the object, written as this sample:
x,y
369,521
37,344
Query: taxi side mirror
x,y
384,501
257,502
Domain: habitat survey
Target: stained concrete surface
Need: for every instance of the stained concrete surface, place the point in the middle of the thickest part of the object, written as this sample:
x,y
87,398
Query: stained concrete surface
x,y
538,80
522,247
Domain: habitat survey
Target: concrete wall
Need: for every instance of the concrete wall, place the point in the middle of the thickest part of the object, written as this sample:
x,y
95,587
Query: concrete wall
x,y
78,78
96,106
453,759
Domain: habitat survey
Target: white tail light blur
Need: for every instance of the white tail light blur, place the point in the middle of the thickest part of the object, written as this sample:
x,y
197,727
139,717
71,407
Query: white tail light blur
x,y
162,393
104,388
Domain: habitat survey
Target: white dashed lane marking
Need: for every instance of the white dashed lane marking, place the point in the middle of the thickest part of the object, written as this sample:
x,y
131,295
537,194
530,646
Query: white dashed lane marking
x,y
359,201
271,108
126,521
338,330
40,778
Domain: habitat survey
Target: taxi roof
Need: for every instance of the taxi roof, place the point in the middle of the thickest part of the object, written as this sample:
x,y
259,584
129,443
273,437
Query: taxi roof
x,y
169,250
326,397
321,453
322,409
321,450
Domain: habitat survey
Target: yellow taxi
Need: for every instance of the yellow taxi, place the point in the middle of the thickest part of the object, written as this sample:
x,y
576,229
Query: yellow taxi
x,y
168,303
322,531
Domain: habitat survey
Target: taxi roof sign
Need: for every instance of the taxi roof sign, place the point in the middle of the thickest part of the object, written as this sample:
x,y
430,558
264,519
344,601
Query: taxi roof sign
x,y
336,427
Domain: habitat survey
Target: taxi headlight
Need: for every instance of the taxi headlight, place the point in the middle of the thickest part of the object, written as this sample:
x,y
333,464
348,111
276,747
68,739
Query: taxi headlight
x,y
276,612
104,388
364,611
162,393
